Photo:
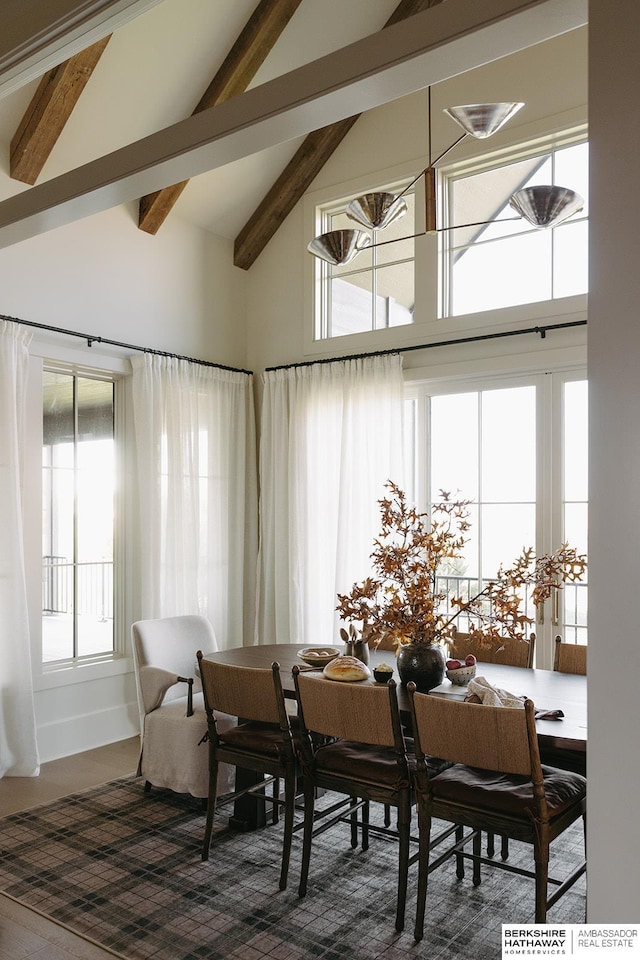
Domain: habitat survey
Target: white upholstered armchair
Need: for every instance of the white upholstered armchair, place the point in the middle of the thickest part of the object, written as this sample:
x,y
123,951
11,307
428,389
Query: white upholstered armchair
x,y
172,754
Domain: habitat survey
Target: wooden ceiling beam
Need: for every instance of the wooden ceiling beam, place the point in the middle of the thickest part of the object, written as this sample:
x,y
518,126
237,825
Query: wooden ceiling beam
x,y
302,169
51,106
241,64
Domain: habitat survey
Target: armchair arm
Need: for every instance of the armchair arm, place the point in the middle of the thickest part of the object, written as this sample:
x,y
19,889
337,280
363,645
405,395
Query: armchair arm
x,y
154,683
189,681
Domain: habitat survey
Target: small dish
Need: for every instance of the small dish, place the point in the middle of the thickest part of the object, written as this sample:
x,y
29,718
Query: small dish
x,y
461,675
382,676
318,656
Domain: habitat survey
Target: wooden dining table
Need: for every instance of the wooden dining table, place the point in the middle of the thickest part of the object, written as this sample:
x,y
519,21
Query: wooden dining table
x,y
549,691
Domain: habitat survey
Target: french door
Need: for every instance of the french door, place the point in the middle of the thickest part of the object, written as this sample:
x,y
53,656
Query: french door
x,y
516,448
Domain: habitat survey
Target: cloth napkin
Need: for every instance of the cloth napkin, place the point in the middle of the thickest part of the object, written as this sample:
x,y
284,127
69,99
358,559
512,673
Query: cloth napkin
x,y
481,691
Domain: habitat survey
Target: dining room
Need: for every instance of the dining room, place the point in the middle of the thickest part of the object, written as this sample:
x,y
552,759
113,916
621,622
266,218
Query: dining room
x,y
180,294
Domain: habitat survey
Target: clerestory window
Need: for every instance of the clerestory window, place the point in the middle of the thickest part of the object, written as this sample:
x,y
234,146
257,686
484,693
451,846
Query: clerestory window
x,y
488,257
506,262
377,289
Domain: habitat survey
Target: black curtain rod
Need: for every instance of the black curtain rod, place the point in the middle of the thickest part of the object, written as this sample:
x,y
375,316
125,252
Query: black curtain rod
x,y
127,346
542,331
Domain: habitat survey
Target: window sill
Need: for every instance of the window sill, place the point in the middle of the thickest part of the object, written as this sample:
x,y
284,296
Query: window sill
x,y
62,675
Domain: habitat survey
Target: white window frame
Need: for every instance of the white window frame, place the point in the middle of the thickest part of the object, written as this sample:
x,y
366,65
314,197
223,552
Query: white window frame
x,y
529,367
65,359
447,174
325,213
429,325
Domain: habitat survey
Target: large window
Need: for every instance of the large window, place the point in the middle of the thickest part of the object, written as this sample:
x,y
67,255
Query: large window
x,y
507,261
518,451
78,485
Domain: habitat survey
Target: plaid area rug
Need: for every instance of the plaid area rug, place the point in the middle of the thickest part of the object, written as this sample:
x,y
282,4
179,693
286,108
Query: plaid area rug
x,y
123,869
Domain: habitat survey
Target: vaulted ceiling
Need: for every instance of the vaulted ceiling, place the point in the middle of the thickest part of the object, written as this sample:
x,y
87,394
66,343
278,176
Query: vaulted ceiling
x,y
174,61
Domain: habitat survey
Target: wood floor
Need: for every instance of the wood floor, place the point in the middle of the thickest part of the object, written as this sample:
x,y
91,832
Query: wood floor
x,y
24,934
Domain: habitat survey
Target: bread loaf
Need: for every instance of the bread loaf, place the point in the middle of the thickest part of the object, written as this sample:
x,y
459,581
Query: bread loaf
x,y
347,669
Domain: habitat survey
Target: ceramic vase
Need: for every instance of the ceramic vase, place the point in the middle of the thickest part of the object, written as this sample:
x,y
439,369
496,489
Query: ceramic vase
x,y
424,663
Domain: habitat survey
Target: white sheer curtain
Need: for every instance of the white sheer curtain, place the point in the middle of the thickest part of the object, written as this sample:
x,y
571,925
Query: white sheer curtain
x,y
195,438
331,435
18,748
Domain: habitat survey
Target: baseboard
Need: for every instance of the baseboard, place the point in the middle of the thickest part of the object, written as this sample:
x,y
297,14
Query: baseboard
x,y
62,738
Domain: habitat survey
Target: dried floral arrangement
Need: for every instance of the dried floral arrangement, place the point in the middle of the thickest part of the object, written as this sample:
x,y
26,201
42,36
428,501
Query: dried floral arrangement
x,y
400,600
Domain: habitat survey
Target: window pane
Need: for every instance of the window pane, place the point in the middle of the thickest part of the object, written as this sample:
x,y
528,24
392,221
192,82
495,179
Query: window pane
x,y
571,259
78,489
404,227
363,260
410,447
502,273
351,304
57,517
575,525
509,418
576,473
572,170
484,197
454,445
95,487
395,295
506,530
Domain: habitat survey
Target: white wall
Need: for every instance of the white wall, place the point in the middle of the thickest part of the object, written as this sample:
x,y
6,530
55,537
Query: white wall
x,y
176,291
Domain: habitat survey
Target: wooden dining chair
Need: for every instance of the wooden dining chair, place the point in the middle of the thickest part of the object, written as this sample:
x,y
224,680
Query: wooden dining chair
x,y
352,743
570,657
515,653
262,741
496,783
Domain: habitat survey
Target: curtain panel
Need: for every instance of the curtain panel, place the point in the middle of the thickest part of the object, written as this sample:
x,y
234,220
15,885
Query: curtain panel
x,y
18,748
196,461
331,436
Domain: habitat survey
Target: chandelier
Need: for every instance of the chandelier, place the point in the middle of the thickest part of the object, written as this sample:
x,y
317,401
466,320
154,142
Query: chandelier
x,y
541,206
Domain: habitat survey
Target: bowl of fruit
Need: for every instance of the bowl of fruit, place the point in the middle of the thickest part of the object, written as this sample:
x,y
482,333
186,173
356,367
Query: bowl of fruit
x,y
461,671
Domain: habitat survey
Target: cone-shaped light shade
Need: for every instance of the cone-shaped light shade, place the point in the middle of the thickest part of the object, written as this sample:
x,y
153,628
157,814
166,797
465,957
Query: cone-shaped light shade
x,y
546,206
376,210
482,120
339,246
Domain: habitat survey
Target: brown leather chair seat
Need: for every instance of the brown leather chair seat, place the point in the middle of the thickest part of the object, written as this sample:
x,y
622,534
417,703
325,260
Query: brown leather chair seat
x,y
511,795
254,736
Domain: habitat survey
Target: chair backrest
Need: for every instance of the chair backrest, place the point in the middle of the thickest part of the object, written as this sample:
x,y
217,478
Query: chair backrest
x,y
570,657
491,738
350,711
164,647
251,693
515,653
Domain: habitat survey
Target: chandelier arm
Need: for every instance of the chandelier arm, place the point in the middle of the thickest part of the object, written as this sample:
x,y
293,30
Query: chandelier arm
x,y
414,181
449,149
457,226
